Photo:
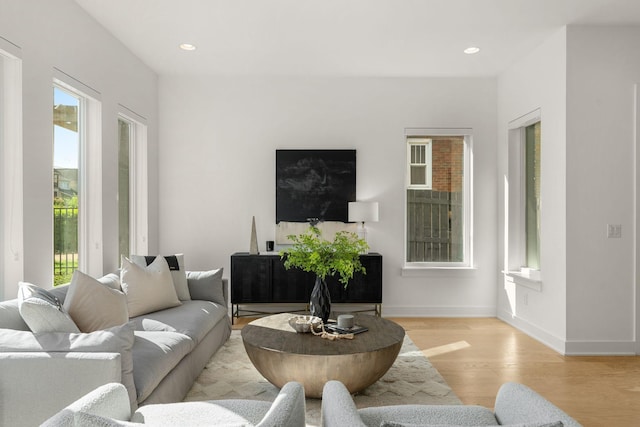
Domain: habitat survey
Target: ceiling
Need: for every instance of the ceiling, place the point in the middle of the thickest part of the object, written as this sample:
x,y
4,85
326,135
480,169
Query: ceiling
x,y
344,37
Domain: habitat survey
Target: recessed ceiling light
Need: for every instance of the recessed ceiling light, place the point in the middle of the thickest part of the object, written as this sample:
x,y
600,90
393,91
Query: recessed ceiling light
x,y
187,46
471,50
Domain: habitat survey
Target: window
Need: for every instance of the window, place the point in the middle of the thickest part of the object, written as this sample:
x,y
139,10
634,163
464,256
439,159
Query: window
x,y
124,212
523,200
66,166
419,158
132,184
532,196
76,179
438,198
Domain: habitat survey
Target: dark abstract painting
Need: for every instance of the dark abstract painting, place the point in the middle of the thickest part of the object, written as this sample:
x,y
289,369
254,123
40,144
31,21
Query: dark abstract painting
x,y
314,184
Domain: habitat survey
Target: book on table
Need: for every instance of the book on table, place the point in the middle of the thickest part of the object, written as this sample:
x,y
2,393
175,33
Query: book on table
x,y
333,327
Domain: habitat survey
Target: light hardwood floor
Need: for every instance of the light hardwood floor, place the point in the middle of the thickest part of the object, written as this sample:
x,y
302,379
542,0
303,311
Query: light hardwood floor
x,y
475,356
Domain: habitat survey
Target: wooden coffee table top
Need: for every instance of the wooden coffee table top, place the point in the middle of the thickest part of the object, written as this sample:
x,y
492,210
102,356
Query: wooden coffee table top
x,y
274,333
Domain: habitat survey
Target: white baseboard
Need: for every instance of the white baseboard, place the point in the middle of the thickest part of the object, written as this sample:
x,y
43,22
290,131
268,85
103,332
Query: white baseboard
x,y
570,347
533,331
404,311
601,348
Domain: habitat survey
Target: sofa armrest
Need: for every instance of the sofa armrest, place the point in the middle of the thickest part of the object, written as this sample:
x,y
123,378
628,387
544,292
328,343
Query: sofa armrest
x,y
288,409
338,408
517,403
109,401
36,385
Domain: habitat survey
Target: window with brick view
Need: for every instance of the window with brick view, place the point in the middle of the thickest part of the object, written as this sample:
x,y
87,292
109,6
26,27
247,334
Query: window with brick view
x,y
436,212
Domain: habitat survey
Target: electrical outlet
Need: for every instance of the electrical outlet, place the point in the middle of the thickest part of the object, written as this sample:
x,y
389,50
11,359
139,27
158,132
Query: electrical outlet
x,y
614,231
525,298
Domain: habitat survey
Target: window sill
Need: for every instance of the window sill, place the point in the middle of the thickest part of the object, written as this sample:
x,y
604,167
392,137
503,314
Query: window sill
x,y
437,271
522,280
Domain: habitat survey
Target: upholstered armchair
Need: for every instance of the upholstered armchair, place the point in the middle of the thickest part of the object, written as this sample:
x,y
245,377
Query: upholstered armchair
x,y
516,405
108,405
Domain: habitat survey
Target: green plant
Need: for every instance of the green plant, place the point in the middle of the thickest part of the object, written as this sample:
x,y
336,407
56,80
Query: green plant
x,y
311,252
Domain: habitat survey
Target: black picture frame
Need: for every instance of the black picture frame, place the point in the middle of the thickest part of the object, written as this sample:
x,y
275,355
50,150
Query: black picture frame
x,y
314,184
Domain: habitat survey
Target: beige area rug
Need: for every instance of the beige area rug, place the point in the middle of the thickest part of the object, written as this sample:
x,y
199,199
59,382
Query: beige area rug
x,y
230,375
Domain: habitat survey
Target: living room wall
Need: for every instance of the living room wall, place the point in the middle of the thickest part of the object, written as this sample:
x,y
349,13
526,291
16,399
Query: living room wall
x,y
603,72
51,35
218,137
538,81
584,80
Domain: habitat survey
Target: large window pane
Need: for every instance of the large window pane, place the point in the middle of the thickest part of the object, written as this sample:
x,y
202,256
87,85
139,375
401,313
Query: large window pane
x,y
124,147
436,212
66,155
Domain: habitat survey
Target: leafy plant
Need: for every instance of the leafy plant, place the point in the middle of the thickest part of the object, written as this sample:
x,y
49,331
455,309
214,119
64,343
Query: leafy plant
x,y
311,252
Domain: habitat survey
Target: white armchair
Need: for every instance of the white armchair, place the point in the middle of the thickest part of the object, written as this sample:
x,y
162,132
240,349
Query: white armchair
x,y
516,405
108,405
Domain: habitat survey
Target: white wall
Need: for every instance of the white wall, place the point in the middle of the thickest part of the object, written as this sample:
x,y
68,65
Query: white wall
x,y
602,68
59,34
217,163
538,81
583,79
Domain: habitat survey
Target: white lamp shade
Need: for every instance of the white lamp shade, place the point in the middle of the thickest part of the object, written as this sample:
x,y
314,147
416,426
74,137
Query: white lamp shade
x,y
363,211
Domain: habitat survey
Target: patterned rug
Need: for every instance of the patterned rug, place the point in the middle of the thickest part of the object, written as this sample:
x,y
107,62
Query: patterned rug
x,y
412,379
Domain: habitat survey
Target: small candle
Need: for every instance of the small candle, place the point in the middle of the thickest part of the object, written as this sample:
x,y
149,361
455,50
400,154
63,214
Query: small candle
x,y
345,321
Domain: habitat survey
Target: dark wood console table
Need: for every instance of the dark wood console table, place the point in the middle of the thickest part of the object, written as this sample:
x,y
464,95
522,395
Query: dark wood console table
x,y
262,279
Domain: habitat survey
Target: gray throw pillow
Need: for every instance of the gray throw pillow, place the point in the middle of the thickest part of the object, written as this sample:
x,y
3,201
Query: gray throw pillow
x,y
43,311
206,285
118,339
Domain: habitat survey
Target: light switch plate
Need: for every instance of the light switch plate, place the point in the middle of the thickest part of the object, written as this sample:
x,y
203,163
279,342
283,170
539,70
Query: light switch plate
x,y
614,231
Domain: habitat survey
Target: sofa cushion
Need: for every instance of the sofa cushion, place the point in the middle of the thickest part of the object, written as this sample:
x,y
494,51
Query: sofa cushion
x,y
10,317
178,274
148,289
118,339
93,305
43,311
206,285
155,354
433,414
193,318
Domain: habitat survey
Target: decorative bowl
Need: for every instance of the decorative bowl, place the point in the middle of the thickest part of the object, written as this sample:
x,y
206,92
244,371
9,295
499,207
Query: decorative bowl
x,y
303,324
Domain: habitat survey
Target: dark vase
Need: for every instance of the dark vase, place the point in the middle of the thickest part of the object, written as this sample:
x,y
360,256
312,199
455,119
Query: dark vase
x,y
320,303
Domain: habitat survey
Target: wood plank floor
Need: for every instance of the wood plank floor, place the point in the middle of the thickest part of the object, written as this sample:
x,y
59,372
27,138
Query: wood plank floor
x,y
475,356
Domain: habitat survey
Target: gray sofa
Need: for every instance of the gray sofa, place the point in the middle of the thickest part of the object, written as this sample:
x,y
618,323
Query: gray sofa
x,y
516,405
157,356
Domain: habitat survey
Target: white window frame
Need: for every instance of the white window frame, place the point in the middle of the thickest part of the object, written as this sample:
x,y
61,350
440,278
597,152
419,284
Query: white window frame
x,y
11,170
138,182
515,226
411,268
427,144
90,240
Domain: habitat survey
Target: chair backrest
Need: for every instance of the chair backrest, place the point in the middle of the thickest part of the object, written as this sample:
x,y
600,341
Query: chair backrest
x,y
107,401
517,403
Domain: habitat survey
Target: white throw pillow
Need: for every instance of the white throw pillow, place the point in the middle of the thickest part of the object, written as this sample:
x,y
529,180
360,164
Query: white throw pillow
x,y
94,306
148,289
178,274
42,311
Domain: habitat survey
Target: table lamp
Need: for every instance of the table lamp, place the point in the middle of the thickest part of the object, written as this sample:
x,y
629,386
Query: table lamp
x,y
362,212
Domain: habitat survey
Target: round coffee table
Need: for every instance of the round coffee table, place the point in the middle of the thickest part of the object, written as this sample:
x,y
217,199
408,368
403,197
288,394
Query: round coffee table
x,y
282,355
